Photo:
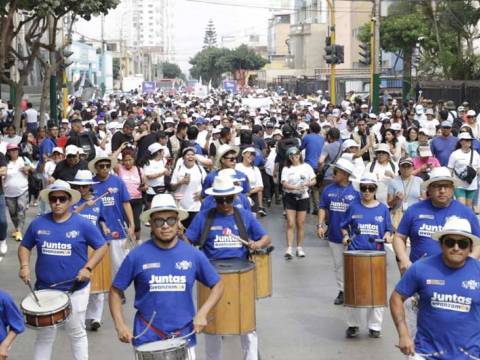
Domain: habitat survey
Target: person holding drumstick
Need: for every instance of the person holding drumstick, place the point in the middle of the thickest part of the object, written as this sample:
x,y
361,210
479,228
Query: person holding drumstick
x,y
11,323
62,239
448,285
157,267
367,226
220,241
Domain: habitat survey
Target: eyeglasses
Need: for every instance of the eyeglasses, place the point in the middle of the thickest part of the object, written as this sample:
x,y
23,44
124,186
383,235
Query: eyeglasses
x,y
224,199
230,158
170,221
103,166
62,198
437,186
450,243
371,188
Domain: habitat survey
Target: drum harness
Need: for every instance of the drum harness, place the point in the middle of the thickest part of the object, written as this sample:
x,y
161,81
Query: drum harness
x,y
163,335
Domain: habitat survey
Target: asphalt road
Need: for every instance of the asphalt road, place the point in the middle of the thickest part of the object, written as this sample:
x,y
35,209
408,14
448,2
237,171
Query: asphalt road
x,y
298,322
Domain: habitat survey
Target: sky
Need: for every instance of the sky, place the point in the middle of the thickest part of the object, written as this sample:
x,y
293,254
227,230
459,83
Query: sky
x,y
191,18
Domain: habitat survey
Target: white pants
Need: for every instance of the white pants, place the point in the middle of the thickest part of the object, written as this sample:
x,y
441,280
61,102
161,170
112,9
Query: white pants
x,y
337,254
117,253
249,343
95,307
374,317
74,326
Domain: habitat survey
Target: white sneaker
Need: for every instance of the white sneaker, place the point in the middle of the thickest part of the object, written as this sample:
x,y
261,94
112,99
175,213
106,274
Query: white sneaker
x,y
288,254
3,247
300,252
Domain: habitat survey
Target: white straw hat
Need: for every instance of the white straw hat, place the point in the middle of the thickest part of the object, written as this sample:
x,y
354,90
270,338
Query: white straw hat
x,y
163,202
440,174
83,177
93,163
60,185
345,165
223,186
456,226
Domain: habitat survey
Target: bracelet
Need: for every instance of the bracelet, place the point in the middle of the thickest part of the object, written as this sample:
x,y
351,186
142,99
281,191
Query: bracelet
x,y
24,265
88,268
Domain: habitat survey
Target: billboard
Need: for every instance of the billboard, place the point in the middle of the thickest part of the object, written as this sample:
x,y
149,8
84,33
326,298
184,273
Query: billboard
x,y
148,86
230,86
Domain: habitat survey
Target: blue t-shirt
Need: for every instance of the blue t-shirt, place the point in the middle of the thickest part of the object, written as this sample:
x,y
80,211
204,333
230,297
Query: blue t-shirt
x,y
336,200
241,201
422,219
313,145
212,174
449,309
219,244
10,316
113,204
442,147
94,213
198,149
62,248
46,148
163,281
259,160
365,225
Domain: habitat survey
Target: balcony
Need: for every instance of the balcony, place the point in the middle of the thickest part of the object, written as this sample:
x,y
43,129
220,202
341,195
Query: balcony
x,y
300,29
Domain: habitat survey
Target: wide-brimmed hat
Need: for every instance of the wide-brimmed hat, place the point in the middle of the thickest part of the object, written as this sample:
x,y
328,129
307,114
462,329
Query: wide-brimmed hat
x,y
163,202
457,226
155,147
440,174
92,163
383,148
60,185
83,177
367,178
223,186
71,150
222,150
345,165
349,143
235,175
293,150
461,136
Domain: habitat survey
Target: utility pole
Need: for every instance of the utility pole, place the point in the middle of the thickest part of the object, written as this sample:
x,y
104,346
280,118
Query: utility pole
x,y
53,75
331,30
376,57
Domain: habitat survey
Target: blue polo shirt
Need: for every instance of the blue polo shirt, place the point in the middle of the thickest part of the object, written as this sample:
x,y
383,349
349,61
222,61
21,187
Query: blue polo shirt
x,y
313,145
10,316
442,147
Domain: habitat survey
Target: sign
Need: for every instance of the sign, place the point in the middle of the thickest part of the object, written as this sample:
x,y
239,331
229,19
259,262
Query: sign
x,y
230,86
148,86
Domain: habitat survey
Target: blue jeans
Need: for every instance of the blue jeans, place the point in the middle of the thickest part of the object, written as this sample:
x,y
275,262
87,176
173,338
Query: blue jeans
x,y
3,218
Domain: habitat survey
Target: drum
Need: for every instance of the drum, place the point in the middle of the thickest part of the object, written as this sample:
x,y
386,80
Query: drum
x,y
263,273
169,349
55,307
365,279
234,314
101,279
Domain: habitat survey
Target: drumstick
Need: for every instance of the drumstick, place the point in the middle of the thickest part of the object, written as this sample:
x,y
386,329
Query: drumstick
x,y
33,293
63,282
109,191
129,244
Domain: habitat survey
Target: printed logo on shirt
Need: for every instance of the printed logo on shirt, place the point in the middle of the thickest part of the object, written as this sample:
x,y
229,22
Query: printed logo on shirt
x,y
183,265
471,284
358,216
368,229
226,240
216,228
452,302
92,218
43,232
427,230
379,219
108,201
56,249
72,234
167,283
425,216
338,206
435,282
349,197
151,266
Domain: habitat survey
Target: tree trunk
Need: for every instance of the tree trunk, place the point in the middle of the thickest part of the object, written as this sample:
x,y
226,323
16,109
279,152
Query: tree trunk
x,y
407,73
45,93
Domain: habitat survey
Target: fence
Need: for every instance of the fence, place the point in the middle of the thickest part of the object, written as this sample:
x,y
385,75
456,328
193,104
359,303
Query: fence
x,y
456,90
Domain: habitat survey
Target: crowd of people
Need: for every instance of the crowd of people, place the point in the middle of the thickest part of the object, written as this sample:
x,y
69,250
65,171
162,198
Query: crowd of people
x,y
403,179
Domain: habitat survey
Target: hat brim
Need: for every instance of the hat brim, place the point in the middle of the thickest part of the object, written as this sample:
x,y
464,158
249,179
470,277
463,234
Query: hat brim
x,y
74,194
384,151
88,182
220,155
93,162
235,190
145,215
356,184
350,172
438,235
453,180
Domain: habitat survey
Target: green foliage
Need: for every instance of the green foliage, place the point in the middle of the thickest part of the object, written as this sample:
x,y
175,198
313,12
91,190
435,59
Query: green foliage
x,y
172,71
245,58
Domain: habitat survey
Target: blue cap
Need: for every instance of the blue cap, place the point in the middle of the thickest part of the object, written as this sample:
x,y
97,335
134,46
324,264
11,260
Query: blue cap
x,y
200,121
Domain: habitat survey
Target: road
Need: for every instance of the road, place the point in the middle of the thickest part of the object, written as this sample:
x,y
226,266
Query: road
x,y
298,322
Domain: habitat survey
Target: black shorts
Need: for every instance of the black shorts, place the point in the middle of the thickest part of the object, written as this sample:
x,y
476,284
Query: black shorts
x,y
293,202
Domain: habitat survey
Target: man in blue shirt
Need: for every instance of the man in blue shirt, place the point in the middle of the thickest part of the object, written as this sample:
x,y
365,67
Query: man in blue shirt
x,y
164,271
313,145
11,323
443,145
62,239
335,201
448,285
222,242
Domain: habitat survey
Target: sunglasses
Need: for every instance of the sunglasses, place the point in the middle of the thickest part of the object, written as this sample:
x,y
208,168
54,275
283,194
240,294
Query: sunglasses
x,y
80,186
450,243
103,166
371,188
224,200
170,221
230,158
62,198
71,156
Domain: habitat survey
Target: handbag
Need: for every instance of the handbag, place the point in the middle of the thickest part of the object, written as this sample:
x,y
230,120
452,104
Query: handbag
x,y
469,173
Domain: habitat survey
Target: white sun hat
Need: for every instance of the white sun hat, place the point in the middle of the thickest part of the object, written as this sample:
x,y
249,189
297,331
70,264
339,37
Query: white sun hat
x,y
155,147
349,143
383,148
160,203
93,163
345,165
223,186
457,226
83,177
367,178
222,150
440,174
60,185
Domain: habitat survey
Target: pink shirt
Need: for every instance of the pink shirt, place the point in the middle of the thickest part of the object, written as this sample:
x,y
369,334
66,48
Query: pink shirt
x,y
418,162
132,180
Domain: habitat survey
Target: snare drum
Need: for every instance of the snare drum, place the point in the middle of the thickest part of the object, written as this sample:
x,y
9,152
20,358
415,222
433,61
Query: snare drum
x,y
365,279
55,307
101,279
169,349
263,273
234,314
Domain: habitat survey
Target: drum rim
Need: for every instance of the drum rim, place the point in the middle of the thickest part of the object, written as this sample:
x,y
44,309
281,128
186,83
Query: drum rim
x,y
248,266
68,304
182,344
364,252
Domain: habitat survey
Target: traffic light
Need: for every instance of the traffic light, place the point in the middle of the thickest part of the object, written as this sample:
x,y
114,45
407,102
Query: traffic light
x,y
366,54
340,54
329,57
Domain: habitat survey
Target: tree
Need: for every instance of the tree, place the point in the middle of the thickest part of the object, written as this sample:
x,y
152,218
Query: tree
x,y
209,64
172,71
210,39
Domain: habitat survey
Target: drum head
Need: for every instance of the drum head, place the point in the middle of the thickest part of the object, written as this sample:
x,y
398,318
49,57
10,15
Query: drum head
x,y
232,266
50,301
161,345
364,253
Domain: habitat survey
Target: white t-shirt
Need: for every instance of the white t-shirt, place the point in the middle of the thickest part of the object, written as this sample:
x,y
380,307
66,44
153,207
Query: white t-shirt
x,y
32,116
430,126
16,182
253,174
458,161
296,175
186,192
383,181
154,167
270,162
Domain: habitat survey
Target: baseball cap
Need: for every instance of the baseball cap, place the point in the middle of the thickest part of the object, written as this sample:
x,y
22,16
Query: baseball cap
x,y
471,113
57,149
71,150
446,124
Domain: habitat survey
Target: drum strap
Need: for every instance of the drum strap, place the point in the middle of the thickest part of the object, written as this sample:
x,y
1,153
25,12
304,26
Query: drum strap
x,y
161,333
206,228
240,225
